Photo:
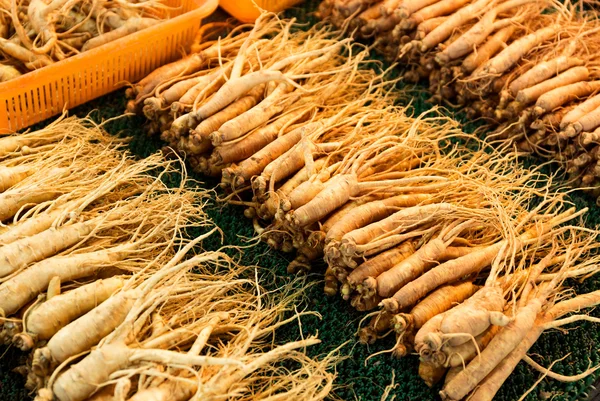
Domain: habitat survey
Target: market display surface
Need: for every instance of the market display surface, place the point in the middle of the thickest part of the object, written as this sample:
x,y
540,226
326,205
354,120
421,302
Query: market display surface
x,y
333,166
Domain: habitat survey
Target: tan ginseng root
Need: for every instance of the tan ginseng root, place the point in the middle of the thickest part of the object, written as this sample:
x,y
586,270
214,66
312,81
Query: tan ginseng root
x,y
426,257
257,139
8,72
304,259
247,327
45,320
254,50
484,374
203,89
198,141
328,137
495,245
17,255
174,89
487,24
453,356
580,110
87,262
378,327
113,313
130,308
274,201
550,122
373,22
541,72
487,50
454,21
317,237
232,126
108,212
431,374
288,69
129,27
406,9
125,237
585,123
237,41
427,26
311,381
339,108
469,264
31,60
570,76
47,236
437,9
557,97
408,222
187,65
418,220
376,265
511,54
460,327
488,387
258,114
202,306
199,90
12,175
367,170
242,173
254,116
43,18
439,301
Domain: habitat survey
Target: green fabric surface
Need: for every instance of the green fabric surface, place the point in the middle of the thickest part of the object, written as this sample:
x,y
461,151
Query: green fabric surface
x,y
357,379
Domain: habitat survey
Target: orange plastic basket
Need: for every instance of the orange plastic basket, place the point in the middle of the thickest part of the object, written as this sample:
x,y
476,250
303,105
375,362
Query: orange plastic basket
x,y
44,93
247,10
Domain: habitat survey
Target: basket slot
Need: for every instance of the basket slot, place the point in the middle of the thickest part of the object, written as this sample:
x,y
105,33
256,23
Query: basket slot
x,y
29,102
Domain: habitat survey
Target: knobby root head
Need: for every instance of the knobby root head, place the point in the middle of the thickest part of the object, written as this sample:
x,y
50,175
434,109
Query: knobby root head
x,y
44,394
434,341
402,322
24,341
367,335
390,305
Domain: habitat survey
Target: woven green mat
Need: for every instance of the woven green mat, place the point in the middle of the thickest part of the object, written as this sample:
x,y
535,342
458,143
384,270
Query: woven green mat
x,y
357,379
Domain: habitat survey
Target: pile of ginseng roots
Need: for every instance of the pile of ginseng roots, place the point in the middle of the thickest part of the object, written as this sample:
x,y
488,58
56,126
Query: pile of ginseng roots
x,y
36,33
526,67
411,215
102,287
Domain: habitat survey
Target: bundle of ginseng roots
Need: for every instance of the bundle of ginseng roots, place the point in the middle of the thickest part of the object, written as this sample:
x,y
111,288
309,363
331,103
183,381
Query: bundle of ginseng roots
x,y
100,284
526,67
36,33
403,218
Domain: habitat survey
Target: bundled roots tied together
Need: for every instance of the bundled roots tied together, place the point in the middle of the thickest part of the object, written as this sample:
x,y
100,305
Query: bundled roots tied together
x,y
529,68
102,286
448,243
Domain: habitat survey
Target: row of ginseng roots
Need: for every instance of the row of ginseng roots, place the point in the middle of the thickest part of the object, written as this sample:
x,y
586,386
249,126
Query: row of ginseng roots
x,y
409,222
100,283
526,67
